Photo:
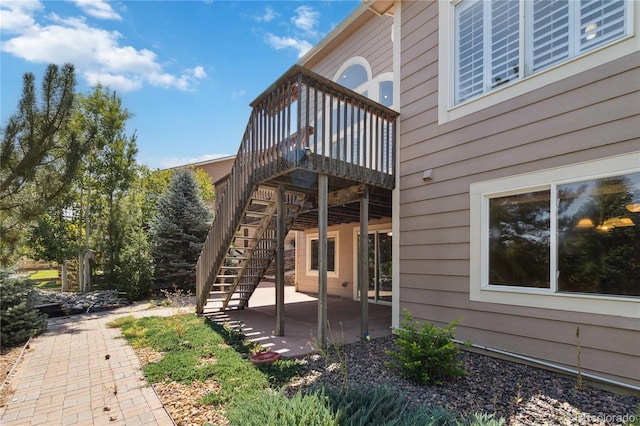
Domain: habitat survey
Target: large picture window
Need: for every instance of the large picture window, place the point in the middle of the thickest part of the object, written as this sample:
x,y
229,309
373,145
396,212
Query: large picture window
x,y
565,238
580,236
494,46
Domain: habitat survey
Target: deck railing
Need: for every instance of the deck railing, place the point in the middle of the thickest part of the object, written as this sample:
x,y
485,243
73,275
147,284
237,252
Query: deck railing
x,y
303,121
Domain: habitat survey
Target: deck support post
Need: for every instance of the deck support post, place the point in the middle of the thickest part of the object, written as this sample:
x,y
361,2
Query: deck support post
x,y
280,235
323,210
363,263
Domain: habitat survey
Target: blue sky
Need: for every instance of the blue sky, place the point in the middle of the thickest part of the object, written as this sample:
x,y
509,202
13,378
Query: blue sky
x,y
187,70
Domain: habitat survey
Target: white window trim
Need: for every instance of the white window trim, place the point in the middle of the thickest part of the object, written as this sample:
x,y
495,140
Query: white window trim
x,y
447,111
542,298
356,60
314,272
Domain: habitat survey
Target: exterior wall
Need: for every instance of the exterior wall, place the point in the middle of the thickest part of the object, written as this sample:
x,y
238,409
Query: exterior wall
x,y
218,168
371,40
369,37
591,115
342,283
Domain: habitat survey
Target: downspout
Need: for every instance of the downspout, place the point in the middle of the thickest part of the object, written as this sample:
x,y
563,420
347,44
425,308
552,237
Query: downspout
x,y
551,365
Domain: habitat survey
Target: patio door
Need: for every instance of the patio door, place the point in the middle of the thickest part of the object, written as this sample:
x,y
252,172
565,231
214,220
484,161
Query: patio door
x,y
379,261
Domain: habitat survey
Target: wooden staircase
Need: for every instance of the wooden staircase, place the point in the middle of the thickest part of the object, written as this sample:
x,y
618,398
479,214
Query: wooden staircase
x,y
290,140
252,249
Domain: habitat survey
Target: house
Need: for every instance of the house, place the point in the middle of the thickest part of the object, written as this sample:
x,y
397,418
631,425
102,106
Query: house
x,y
494,150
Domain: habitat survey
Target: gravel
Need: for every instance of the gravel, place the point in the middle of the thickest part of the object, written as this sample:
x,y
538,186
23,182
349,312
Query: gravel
x,y
521,394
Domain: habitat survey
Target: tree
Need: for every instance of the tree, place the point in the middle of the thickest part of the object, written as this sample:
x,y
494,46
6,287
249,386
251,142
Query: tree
x,y
156,182
110,171
178,232
39,154
107,174
19,318
133,272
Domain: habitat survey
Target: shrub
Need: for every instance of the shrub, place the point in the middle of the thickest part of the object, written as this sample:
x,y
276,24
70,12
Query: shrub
x,y
380,405
19,319
276,409
426,354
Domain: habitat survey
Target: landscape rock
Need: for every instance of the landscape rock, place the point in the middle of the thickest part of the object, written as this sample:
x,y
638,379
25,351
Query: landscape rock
x,y
79,303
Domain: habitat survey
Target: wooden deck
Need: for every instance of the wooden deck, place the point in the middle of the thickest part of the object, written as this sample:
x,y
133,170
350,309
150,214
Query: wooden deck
x,y
311,151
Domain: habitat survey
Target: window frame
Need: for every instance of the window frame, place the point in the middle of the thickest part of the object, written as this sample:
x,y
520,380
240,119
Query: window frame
x,y
449,111
314,237
481,192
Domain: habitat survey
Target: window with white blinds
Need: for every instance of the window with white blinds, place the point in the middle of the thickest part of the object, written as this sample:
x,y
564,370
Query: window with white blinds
x,y
495,45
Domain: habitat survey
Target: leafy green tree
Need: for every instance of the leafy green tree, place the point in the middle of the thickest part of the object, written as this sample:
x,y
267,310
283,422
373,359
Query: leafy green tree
x,y
134,271
40,154
178,232
108,173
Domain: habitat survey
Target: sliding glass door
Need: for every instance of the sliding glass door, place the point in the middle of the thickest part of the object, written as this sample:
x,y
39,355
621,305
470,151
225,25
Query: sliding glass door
x,y
379,262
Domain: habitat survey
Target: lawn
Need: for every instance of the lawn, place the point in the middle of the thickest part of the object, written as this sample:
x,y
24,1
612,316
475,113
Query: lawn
x,y
47,279
201,371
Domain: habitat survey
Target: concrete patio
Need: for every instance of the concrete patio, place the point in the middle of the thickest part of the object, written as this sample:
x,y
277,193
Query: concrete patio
x,y
258,322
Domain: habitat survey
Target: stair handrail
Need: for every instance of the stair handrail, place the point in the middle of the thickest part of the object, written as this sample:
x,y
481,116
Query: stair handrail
x,y
278,137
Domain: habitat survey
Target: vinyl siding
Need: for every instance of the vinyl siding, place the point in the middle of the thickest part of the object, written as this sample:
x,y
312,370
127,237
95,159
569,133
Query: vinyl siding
x,y
371,40
591,115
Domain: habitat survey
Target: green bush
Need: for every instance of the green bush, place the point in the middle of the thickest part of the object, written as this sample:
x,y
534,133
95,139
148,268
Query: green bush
x,y
380,405
426,354
277,409
19,319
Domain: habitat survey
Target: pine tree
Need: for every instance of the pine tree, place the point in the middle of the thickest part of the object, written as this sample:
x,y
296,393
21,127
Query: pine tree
x,y
178,231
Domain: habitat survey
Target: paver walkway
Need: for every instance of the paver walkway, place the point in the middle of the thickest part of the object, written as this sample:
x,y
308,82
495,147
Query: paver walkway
x,y
80,373
65,378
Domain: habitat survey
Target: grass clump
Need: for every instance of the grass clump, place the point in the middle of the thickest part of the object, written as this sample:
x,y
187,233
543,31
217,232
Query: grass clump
x,y
193,352
426,354
354,407
313,409
121,321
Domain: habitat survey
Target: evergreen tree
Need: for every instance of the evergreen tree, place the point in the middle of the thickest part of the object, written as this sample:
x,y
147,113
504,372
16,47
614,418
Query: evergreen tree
x,y
40,154
178,231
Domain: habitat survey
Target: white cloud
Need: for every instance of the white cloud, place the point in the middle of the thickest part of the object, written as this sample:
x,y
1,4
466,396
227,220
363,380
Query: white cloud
x,y
16,16
166,163
198,72
98,9
278,43
97,54
238,94
117,82
306,19
268,16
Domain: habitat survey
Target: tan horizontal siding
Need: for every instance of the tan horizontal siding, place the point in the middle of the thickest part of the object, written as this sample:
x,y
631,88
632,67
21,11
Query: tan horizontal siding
x,y
371,41
591,115
554,340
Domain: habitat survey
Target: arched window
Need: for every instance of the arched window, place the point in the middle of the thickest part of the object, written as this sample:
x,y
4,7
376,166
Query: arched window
x,y
353,76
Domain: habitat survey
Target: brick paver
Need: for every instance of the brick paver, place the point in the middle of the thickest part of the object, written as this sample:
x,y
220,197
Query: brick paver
x,y
66,377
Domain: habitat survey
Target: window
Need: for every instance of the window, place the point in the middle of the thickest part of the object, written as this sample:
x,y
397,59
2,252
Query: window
x,y
494,46
353,77
386,93
562,233
332,254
